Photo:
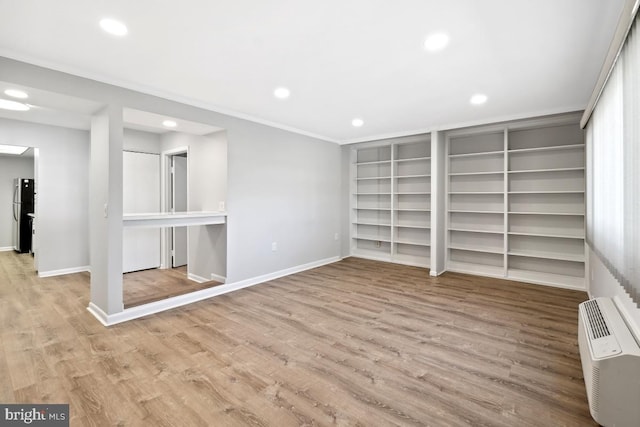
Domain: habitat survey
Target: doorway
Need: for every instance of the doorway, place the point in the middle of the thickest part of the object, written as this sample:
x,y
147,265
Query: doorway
x,y
175,199
18,200
178,203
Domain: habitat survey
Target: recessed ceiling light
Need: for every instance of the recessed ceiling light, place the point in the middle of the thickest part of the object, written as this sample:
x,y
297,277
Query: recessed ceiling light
x,y
281,93
436,42
169,123
12,149
478,99
5,104
357,122
114,27
15,93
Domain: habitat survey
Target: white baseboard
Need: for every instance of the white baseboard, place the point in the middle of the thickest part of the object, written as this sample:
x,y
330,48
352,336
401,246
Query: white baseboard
x,y
98,314
63,271
6,249
180,300
196,278
218,278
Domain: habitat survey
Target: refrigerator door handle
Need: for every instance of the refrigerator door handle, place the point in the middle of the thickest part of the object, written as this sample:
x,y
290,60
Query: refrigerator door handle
x,y
16,203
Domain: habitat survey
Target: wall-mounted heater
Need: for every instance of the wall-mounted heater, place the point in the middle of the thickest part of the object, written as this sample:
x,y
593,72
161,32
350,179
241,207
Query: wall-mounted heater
x,y
610,363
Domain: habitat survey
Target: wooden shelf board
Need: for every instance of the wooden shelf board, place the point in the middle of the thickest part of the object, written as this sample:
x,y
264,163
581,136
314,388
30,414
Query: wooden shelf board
x,y
371,223
561,236
377,162
548,192
423,193
476,212
475,192
413,176
548,255
475,173
472,249
372,238
472,268
551,148
546,213
412,243
475,231
376,255
542,278
173,219
421,227
373,209
414,159
373,178
545,170
372,194
479,154
412,210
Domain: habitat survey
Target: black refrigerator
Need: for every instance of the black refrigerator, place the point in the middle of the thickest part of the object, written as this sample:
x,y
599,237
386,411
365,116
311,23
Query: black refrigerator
x,y
23,205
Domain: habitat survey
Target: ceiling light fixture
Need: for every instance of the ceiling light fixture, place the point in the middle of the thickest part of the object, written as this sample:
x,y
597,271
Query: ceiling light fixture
x,y
12,149
357,123
478,99
15,93
114,27
5,104
169,124
436,42
281,93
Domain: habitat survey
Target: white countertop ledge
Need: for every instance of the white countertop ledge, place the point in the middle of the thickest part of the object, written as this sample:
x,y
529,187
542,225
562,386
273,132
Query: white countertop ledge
x,y
174,219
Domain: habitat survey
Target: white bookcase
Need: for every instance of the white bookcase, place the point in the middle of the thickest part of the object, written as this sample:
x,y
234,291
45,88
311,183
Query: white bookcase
x,y
391,201
475,226
515,206
546,205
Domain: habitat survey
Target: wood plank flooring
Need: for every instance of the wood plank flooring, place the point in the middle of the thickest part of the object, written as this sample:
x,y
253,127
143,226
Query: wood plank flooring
x,y
142,287
357,343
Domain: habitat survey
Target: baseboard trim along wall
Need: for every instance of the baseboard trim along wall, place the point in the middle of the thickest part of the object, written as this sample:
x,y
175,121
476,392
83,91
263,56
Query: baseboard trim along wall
x,y
6,249
178,301
196,278
64,271
218,278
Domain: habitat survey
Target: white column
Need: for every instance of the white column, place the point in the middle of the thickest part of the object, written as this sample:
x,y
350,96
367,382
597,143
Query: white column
x,y
438,223
105,212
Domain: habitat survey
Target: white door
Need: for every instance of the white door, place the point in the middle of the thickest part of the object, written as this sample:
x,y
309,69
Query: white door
x,y
179,200
140,194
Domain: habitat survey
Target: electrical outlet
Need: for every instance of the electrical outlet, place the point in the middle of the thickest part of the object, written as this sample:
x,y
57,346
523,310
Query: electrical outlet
x,y
274,246
221,206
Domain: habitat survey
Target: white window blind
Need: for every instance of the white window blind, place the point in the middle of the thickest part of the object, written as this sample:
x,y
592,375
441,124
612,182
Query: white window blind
x,y
613,159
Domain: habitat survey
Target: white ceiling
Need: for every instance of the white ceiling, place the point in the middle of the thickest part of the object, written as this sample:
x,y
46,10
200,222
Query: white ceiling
x,y
151,122
341,59
51,108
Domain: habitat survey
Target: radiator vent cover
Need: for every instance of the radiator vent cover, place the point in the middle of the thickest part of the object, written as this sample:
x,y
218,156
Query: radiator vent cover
x,y
597,324
610,358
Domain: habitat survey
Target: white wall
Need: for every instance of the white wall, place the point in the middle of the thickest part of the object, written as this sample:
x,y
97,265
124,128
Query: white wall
x,y
207,170
10,168
140,141
283,188
62,192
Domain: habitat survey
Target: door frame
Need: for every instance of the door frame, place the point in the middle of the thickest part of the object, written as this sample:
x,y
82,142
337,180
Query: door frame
x,y
165,202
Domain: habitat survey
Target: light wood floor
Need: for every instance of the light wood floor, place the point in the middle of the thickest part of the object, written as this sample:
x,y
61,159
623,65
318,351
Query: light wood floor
x,y
353,343
142,287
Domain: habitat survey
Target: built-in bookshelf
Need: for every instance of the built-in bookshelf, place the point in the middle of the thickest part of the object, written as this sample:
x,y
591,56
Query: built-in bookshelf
x,y
515,206
475,227
391,201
